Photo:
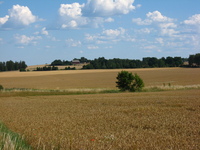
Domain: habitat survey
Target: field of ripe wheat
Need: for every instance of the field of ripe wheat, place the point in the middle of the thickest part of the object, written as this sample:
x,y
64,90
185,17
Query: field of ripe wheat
x,y
151,120
94,79
167,119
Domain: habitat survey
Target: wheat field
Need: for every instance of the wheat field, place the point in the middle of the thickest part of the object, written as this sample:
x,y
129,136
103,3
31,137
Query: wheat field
x,y
81,79
155,120
141,121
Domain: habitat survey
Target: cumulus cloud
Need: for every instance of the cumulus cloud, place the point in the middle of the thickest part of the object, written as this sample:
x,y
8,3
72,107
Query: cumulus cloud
x,y
108,7
18,16
152,17
165,24
194,20
115,32
107,36
71,10
92,13
156,16
26,40
4,20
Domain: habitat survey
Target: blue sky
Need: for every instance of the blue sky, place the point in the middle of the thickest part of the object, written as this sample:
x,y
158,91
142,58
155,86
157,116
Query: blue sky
x,y
39,32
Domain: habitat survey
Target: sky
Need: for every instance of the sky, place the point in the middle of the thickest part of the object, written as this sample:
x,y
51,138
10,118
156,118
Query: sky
x,y
39,32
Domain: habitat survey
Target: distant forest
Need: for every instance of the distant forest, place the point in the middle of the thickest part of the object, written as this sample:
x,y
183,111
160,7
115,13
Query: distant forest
x,y
115,63
147,62
11,66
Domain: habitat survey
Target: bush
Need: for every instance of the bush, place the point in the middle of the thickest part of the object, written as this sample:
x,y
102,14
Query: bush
x,y
129,82
1,87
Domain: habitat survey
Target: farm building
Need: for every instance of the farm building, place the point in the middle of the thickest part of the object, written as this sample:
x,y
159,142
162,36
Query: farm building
x,y
75,62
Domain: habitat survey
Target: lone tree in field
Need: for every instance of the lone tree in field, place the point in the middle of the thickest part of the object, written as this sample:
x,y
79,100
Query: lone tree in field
x,y
129,82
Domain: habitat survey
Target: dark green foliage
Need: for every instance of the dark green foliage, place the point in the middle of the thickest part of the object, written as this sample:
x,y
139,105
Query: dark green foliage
x,y
68,68
126,81
11,66
60,63
46,68
1,87
148,62
137,84
194,60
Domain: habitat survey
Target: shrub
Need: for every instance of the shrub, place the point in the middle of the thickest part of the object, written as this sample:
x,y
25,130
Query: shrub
x,y
1,87
138,84
129,82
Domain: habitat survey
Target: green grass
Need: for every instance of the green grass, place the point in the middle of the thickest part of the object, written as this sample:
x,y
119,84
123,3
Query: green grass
x,y
23,92
11,141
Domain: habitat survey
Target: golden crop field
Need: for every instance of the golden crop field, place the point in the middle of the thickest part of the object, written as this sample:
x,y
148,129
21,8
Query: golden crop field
x,y
145,120
152,120
81,79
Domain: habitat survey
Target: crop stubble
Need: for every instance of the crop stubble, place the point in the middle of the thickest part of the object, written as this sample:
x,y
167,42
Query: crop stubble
x,y
158,120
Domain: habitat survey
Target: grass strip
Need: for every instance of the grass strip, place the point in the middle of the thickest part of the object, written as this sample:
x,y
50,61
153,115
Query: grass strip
x,y
23,92
10,140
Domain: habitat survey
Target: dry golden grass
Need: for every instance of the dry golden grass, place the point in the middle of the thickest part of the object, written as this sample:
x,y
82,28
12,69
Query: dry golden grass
x,y
34,67
157,120
81,79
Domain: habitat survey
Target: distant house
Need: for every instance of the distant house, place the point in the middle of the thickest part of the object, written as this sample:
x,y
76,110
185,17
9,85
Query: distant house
x,y
75,62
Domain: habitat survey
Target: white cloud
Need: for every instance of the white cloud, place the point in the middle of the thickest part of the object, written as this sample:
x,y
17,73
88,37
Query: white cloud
x,y
165,25
115,32
156,16
138,5
71,10
194,20
152,17
109,19
44,31
71,24
1,40
160,40
92,13
107,36
21,15
108,7
73,43
25,40
139,21
4,20
18,16
144,30
1,2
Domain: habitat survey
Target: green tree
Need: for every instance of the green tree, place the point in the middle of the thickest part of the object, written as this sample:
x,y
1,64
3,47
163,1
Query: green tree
x,y
138,83
126,81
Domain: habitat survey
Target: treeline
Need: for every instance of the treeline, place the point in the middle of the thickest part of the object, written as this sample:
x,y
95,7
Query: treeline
x,y
148,62
59,62
194,60
51,68
11,66
46,68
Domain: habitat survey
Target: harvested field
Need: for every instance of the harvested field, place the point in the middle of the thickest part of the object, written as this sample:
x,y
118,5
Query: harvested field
x,y
155,120
79,79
